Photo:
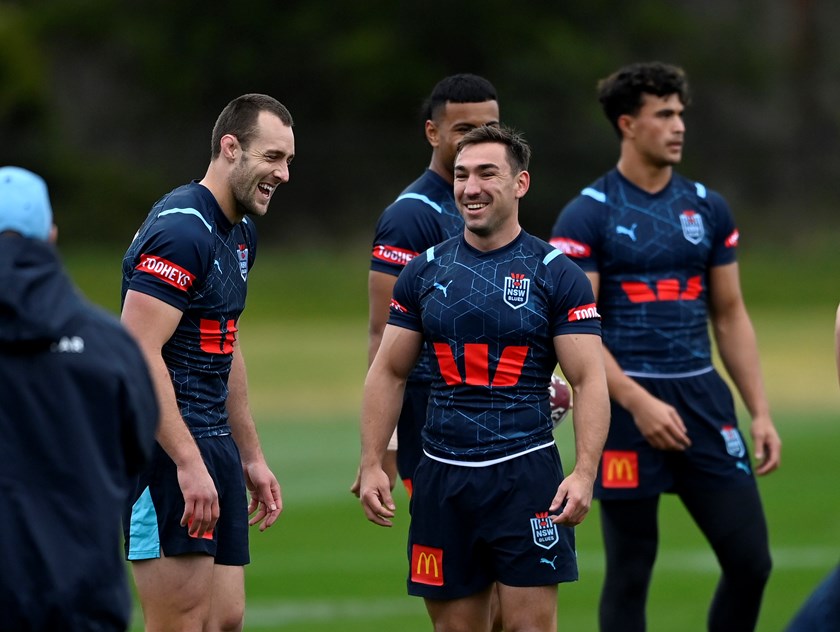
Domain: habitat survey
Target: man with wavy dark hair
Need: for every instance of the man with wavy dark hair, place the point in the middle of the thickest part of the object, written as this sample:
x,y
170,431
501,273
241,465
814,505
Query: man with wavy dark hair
x,y
659,250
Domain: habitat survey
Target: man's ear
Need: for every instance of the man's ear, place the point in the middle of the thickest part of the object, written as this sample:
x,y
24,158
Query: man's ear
x,y
229,147
626,124
432,134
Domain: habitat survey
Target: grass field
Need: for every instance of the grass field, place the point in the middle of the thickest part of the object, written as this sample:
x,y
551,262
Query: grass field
x,y
324,567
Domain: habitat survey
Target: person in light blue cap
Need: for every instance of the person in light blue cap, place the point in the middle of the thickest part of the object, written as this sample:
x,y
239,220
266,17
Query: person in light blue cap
x,y
78,416
25,204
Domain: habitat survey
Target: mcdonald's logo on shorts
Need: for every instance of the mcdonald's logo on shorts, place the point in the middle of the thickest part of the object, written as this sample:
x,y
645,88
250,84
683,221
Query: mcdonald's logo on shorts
x,y
620,469
426,565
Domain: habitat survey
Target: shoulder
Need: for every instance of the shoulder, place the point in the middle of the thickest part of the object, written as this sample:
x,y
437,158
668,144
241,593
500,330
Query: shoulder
x,y
702,192
592,198
186,215
427,194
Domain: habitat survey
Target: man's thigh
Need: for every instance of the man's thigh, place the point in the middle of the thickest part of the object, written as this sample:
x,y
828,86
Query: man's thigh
x,y
175,592
528,608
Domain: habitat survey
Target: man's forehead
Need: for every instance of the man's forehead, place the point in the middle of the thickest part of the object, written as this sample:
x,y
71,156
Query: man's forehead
x,y
481,154
667,101
274,134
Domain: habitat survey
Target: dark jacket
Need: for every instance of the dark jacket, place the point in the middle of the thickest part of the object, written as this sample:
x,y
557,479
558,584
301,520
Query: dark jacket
x,y
77,418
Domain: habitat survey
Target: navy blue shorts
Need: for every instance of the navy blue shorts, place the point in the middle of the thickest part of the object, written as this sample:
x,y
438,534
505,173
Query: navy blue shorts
x,y
152,518
409,428
472,526
718,457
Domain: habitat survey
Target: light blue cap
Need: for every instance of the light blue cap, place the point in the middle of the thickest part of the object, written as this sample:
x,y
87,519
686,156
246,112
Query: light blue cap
x,y
24,203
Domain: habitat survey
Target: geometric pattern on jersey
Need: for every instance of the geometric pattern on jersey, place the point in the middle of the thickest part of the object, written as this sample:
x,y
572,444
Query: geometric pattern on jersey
x,y
423,215
489,319
190,256
653,253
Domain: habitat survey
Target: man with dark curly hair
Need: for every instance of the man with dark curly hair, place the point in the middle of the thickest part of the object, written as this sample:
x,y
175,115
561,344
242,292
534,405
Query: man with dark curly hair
x,y
659,250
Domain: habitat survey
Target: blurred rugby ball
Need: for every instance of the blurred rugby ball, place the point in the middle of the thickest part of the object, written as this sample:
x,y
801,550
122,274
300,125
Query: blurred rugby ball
x,y
560,399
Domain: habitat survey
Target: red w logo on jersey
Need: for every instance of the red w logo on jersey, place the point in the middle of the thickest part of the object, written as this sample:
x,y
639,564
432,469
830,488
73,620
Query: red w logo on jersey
x,y
666,290
477,365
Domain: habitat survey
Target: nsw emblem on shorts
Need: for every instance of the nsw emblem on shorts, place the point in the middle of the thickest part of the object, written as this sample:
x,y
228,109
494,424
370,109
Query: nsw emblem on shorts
x,y
544,531
242,255
692,226
734,443
516,290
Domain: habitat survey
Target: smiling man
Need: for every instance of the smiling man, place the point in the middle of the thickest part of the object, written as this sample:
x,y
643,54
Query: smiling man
x,y
184,284
499,309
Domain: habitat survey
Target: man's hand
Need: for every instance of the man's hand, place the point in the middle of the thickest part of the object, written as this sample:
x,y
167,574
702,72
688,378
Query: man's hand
x,y
660,424
375,494
201,500
390,467
768,445
266,501
574,496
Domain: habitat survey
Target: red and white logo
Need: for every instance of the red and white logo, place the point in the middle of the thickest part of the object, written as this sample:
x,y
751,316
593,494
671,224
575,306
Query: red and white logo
x,y
570,247
392,254
516,290
732,240
692,226
397,307
544,531
242,256
583,312
171,273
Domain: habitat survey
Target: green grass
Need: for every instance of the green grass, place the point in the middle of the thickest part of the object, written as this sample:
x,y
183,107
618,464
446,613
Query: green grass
x,y
324,567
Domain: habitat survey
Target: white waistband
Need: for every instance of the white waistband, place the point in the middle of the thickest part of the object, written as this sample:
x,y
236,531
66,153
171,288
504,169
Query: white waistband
x,y
670,375
486,463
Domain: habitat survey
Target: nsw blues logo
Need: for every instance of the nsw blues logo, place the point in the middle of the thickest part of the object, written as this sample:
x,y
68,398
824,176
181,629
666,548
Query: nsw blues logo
x,y
516,290
733,441
544,531
242,256
692,226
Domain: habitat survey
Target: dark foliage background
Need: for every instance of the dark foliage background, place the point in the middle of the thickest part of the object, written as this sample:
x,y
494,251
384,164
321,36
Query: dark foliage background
x,y
113,101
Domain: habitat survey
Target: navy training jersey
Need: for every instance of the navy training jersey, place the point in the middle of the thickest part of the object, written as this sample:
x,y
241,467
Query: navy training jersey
x,y
490,319
189,255
653,253
423,215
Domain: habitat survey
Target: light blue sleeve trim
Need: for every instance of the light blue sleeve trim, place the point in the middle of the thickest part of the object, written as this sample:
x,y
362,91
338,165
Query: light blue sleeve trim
x,y
187,211
551,256
143,534
701,190
595,195
421,198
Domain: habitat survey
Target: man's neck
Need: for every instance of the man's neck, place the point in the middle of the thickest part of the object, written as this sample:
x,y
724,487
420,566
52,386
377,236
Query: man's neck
x,y
495,241
648,177
214,182
436,166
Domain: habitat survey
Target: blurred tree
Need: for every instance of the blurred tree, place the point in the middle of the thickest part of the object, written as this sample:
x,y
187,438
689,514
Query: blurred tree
x,y
114,101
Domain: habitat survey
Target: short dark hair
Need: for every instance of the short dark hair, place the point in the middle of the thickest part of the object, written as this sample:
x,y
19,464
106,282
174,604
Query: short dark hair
x,y
460,88
517,148
621,92
239,118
